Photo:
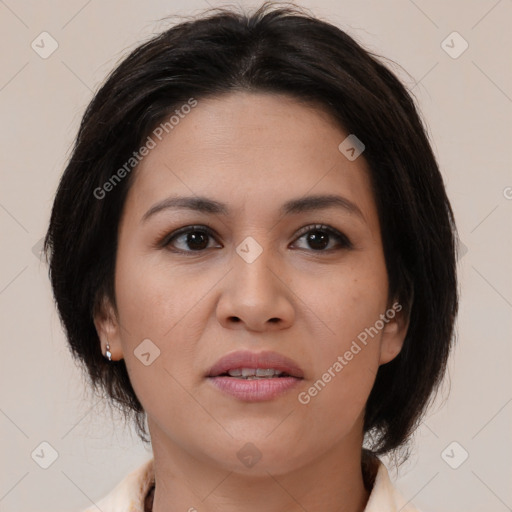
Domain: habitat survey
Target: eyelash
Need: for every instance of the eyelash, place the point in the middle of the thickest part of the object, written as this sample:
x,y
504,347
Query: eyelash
x,y
342,239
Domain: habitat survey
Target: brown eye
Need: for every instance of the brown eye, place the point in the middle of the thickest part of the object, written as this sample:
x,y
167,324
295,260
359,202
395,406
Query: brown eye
x,y
318,237
189,239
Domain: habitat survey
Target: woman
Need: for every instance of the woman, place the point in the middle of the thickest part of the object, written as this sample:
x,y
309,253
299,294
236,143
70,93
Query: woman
x,y
252,250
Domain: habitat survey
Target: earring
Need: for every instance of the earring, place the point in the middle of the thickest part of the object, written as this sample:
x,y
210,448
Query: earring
x,y
108,353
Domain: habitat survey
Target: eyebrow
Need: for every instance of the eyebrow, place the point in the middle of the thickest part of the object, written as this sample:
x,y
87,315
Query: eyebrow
x,y
294,206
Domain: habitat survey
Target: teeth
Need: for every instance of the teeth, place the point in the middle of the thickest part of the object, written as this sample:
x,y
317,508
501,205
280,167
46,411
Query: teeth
x,y
252,373
269,372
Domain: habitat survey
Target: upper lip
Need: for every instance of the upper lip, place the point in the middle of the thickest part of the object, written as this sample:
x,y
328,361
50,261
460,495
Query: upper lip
x,y
247,359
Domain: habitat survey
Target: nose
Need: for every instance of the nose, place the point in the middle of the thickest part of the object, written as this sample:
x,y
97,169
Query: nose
x,y
255,296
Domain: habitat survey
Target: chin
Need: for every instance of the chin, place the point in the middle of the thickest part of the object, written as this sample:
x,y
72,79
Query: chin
x,y
259,455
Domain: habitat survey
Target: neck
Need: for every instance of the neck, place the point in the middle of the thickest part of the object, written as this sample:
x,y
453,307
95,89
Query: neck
x,y
333,482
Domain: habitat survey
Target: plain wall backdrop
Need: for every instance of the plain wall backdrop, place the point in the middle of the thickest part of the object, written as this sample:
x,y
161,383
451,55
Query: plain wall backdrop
x,y
465,95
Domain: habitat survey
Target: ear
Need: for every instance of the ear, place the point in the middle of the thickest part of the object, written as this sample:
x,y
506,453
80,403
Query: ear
x,y
108,328
395,329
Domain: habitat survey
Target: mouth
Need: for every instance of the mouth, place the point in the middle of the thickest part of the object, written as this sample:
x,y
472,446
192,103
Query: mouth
x,y
254,373
255,365
251,377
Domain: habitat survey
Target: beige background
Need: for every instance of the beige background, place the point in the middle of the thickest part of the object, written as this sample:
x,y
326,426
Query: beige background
x,y
467,103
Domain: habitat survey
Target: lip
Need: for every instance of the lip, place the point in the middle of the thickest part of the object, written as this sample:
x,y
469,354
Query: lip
x,y
247,359
257,390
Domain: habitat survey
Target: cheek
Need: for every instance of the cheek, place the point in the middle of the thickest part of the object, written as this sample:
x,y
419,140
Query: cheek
x,y
348,300
336,403
345,367
347,344
153,306
154,297
160,303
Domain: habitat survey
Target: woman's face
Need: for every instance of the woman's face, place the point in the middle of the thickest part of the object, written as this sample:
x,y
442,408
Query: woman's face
x,y
308,283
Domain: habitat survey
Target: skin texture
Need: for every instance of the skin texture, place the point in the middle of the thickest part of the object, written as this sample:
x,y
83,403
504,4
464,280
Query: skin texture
x,y
252,151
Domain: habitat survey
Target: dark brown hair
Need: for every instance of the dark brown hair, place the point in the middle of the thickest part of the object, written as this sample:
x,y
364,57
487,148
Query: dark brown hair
x,y
274,50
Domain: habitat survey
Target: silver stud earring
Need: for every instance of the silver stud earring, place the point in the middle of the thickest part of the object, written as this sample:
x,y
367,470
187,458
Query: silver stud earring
x,y
108,353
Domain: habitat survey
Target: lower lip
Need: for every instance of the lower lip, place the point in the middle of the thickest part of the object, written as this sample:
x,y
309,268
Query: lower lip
x,y
255,390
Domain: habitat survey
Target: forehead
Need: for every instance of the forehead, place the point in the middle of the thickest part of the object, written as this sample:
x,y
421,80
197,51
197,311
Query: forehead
x,y
250,150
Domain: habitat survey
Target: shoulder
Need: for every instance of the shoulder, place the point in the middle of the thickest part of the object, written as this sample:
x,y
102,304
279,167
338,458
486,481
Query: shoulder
x,y
384,496
130,493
